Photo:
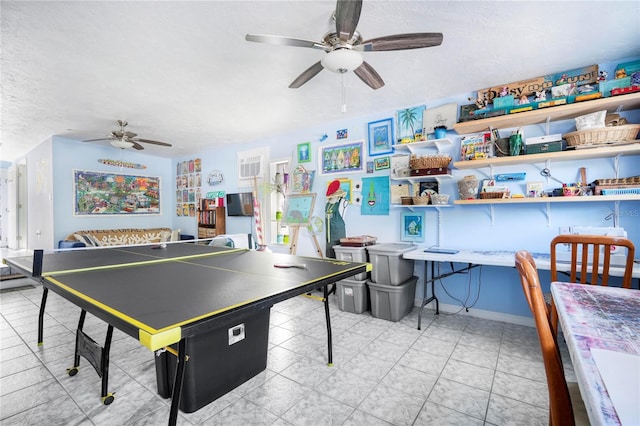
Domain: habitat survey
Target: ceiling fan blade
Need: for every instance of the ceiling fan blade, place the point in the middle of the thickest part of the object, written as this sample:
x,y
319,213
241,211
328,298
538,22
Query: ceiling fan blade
x,y
96,140
347,17
307,75
284,41
401,42
149,141
136,145
369,76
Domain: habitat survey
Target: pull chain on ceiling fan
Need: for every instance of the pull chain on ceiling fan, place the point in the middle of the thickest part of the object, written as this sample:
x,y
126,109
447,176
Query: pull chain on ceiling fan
x,y
344,46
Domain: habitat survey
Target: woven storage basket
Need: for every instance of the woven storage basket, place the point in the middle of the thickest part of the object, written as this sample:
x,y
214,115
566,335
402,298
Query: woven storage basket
x,y
421,200
407,201
429,161
603,135
492,195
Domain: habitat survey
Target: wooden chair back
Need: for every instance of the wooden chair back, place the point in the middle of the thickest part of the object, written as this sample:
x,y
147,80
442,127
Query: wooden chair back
x,y
585,254
560,408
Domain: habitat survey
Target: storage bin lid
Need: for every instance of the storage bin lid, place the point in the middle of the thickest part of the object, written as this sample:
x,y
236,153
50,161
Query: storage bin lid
x,y
391,248
348,249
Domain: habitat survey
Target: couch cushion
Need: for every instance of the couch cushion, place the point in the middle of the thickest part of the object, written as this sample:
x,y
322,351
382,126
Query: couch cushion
x,y
86,238
113,237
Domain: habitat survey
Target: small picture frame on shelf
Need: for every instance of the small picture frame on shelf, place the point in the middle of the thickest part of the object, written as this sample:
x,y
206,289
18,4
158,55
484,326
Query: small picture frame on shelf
x,y
412,226
535,189
380,137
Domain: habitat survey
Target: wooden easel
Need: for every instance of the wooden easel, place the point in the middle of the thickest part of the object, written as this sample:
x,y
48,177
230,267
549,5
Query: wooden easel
x,y
295,229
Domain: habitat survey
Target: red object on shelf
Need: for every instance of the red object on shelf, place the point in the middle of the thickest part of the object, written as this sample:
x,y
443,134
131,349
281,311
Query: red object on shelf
x,y
625,90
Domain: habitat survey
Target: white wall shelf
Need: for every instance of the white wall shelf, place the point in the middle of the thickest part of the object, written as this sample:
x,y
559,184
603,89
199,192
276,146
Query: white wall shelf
x,y
415,147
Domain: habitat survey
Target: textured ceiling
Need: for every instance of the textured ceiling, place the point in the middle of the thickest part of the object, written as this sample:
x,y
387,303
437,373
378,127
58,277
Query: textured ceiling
x,y
182,72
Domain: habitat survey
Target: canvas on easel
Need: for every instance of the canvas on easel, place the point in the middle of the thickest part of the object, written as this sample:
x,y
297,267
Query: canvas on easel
x,y
298,209
297,213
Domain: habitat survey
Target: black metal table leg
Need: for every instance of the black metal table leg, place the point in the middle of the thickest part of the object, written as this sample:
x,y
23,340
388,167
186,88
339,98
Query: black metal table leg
x,y
43,303
107,397
181,359
328,318
425,299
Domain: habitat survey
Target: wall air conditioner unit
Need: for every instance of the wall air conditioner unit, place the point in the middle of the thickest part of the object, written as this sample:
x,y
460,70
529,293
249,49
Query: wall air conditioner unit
x,y
251,163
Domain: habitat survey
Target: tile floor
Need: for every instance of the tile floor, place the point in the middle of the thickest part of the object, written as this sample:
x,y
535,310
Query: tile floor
x,y
457,370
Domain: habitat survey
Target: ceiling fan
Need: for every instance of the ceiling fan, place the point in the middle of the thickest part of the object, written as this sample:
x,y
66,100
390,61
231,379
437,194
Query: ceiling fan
x,y
125,139
343,46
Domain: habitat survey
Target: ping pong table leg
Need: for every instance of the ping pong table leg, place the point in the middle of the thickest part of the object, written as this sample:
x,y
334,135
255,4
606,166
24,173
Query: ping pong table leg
x,y
43,303
328,318
107,398
181,359
76,354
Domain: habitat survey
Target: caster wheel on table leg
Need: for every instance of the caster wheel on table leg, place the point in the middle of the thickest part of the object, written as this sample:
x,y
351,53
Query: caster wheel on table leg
x,y
106,400
72,371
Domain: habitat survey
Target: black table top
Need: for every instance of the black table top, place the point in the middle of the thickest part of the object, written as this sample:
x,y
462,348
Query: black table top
x,y
163,294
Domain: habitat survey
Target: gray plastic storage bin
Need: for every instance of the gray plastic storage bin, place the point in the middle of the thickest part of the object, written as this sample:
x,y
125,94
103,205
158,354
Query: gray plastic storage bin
x,y
352,254
353,296
392,302
389,267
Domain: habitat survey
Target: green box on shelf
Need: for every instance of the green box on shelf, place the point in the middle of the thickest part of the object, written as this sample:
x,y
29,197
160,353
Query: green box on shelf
x,y
542,148
503,102
618,83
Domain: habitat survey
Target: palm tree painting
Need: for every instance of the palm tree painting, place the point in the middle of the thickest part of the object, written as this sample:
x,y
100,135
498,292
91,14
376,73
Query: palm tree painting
x,y
410,123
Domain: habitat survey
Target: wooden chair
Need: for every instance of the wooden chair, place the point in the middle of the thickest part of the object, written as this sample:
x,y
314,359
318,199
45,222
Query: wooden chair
x,y
585,252
565,404
588,247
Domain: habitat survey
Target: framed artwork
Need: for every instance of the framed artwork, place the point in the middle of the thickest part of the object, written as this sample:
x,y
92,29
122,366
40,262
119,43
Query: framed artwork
x,y
412,226
341,158
342,134
381,137
375,196
304,152
444,115
345,185
381,163
100,193
302,180
298,209
409,121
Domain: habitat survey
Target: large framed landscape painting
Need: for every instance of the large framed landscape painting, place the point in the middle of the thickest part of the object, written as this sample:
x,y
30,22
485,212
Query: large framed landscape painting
x,y
104,193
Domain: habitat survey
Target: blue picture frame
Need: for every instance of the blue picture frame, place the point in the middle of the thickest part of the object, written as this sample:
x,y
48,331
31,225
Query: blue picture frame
x,y
380,137
412,226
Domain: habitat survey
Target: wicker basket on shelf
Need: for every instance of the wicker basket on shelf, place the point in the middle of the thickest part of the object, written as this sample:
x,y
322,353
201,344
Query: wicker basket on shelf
x,y
493,195
421,200
406,201
603,135
429,161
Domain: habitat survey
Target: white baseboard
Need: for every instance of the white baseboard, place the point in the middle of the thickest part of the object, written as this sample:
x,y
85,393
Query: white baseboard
x,y
480,313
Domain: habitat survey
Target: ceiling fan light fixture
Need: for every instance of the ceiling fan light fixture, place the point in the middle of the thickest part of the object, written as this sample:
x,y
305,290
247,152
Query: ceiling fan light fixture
x,y
121,143
342,60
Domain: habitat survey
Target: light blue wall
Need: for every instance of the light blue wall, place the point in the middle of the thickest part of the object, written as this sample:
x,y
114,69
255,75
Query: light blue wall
x,y
69,155
509,227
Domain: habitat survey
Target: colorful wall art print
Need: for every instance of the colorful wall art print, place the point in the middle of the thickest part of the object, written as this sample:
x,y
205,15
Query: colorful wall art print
x,y
412,226
410,124
375,196
341,158
99,193
381,137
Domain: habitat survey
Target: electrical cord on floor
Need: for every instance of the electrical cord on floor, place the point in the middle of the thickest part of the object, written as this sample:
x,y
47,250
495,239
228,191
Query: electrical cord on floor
x,y
464,306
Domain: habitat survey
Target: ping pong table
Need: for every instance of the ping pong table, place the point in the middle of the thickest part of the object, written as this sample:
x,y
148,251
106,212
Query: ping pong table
x,y
165,295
